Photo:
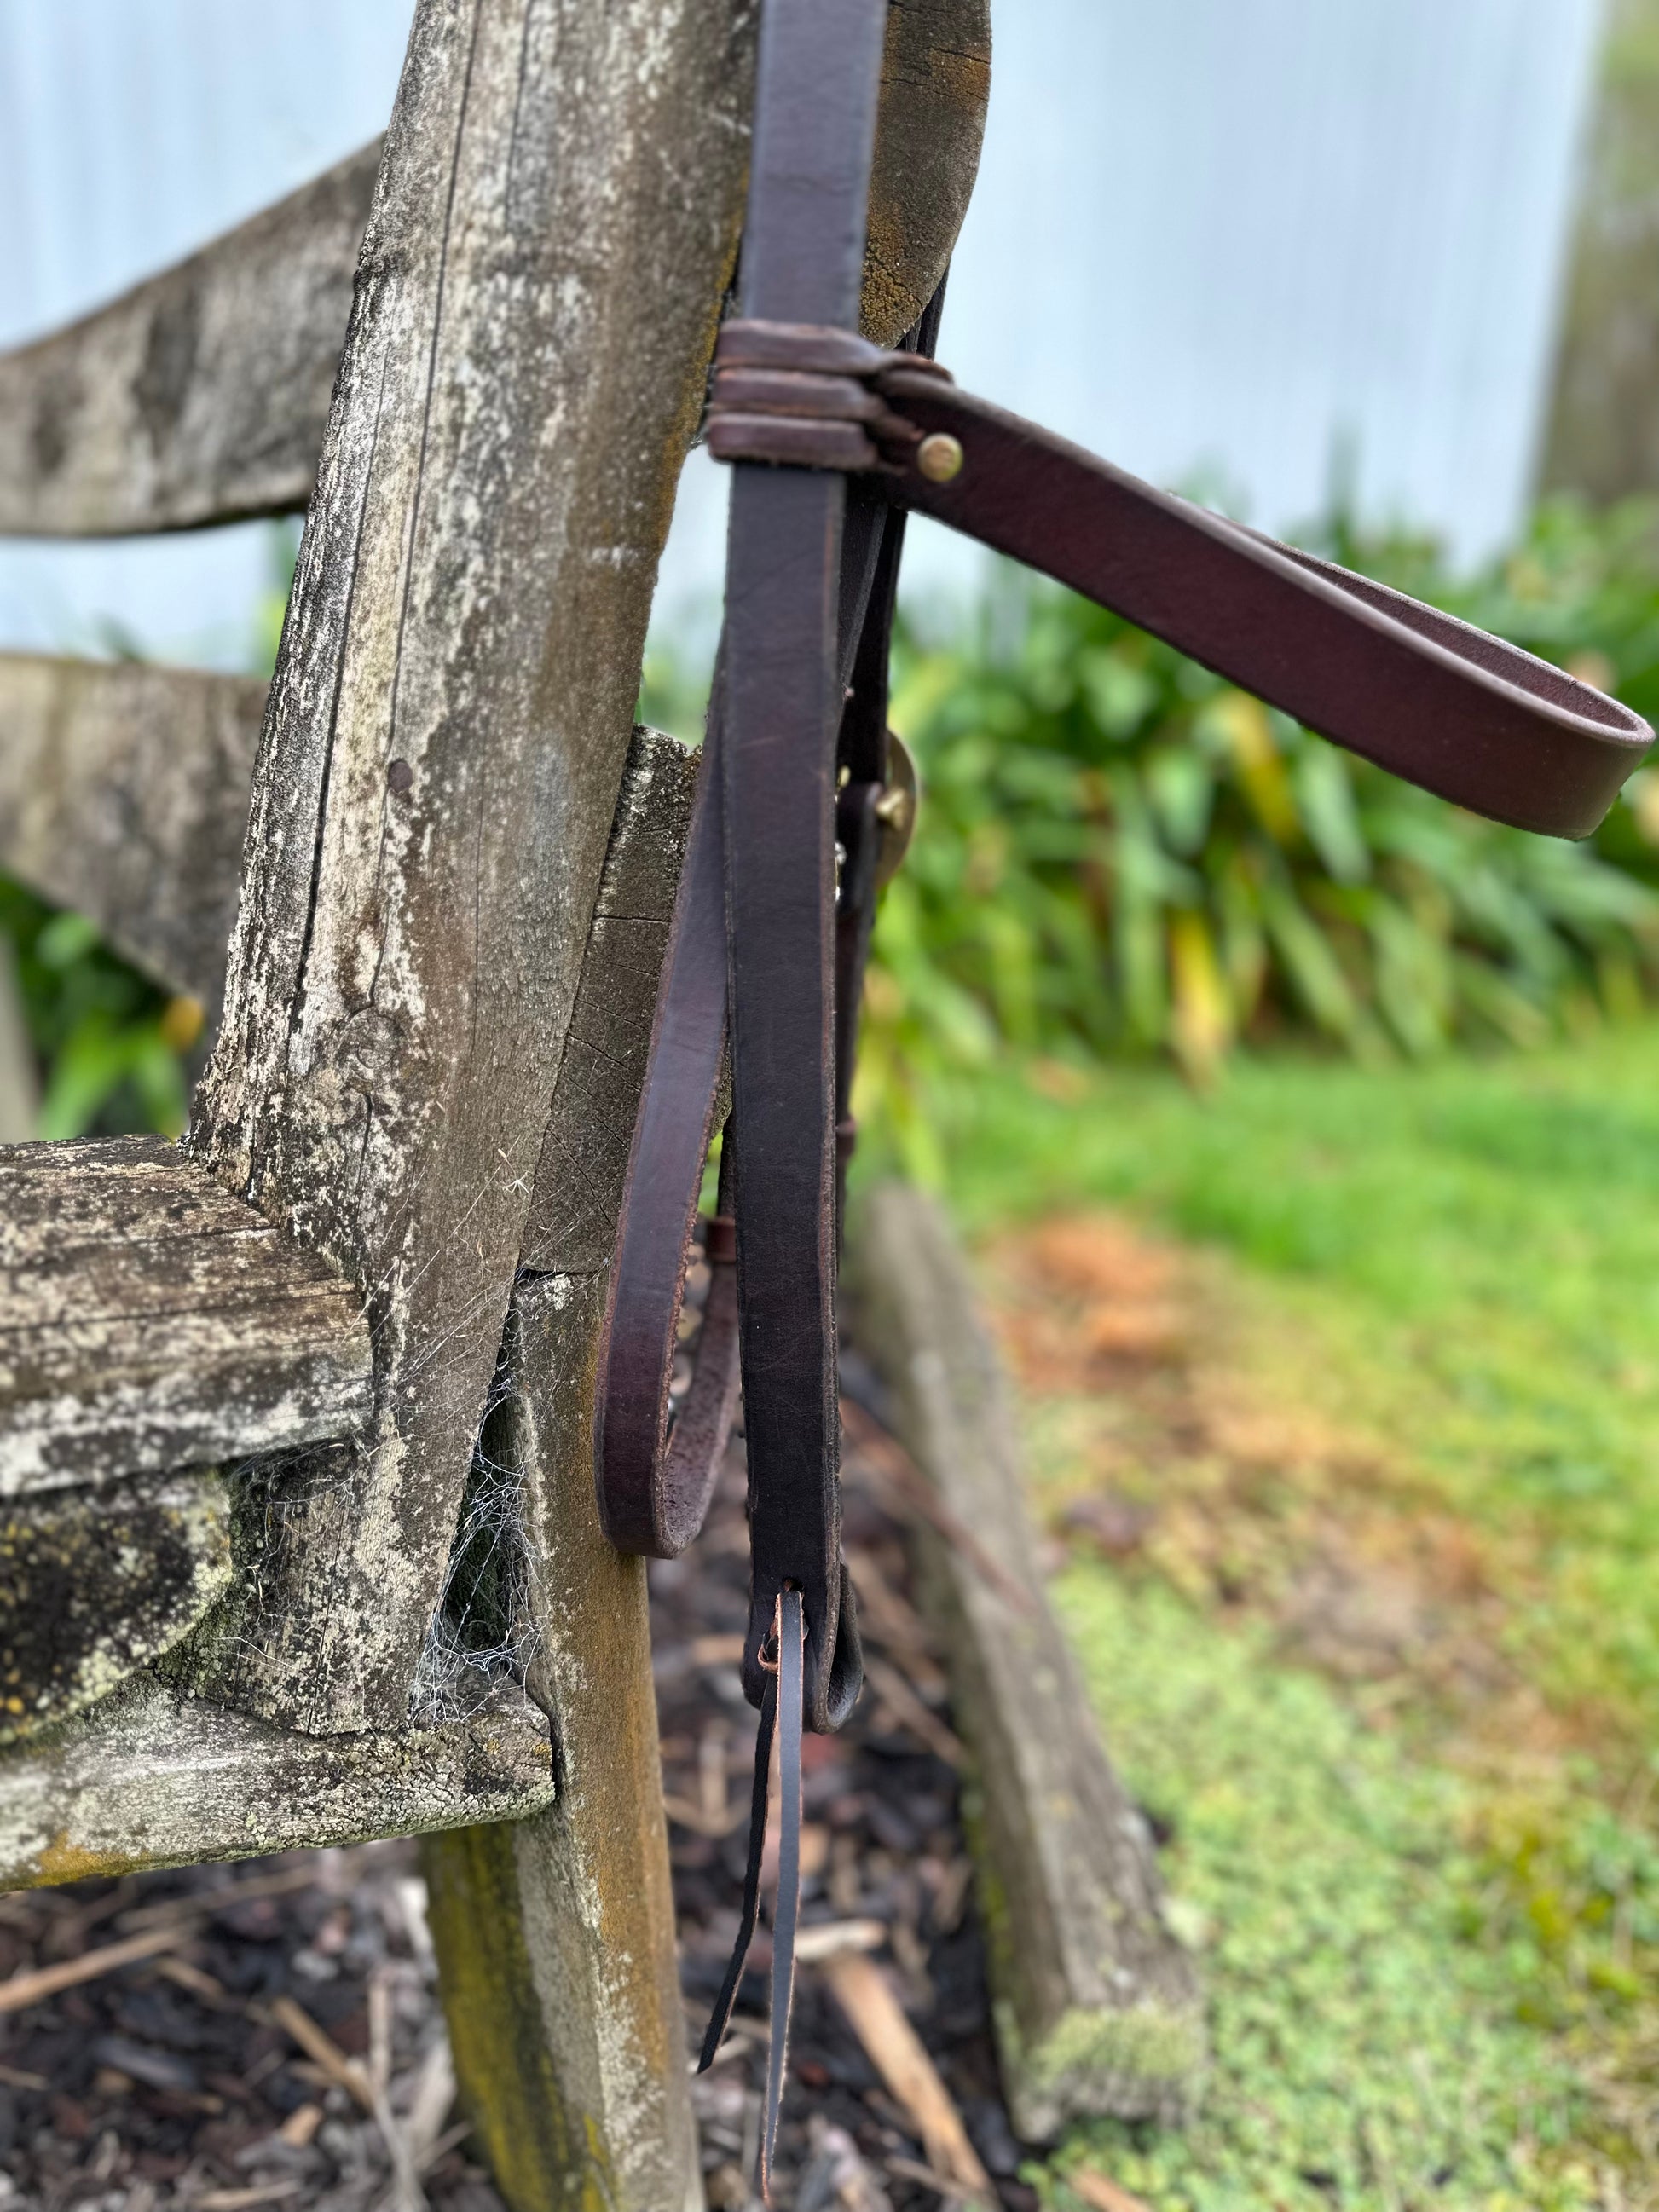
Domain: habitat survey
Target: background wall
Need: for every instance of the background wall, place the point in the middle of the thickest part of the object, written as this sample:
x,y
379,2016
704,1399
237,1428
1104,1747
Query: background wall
x,y
131,132
1244,243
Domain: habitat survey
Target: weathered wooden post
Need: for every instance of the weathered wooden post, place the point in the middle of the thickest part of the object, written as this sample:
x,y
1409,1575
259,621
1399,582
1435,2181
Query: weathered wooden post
x,y
407,1082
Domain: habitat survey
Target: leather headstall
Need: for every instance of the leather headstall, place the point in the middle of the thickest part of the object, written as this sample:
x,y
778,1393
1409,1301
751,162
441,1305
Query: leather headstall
x,y
831,441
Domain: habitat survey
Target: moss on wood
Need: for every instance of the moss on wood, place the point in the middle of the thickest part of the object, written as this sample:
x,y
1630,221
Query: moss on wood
x,y
93,1583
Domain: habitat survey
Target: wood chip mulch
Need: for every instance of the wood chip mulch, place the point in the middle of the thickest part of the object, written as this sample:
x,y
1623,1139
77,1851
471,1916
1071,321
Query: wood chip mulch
x,y
286,2042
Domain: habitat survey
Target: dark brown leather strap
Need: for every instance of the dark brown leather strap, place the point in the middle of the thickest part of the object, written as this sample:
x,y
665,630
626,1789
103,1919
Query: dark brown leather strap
x,y
802,260
1429,697
790,1636
655,1468
749,1914
804,407
653,1484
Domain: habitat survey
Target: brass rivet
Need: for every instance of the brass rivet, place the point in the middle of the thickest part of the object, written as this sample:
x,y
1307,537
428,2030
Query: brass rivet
x,y
895,807
939,457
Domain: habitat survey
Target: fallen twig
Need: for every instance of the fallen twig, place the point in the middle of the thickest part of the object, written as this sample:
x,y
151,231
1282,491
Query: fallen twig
x,y
43,1982
324,2053
319,2046
912,2169
895,2050
239,2200
823,1939
889,1684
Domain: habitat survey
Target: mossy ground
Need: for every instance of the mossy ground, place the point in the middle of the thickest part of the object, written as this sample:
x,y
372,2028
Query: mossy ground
x,y
1341,1391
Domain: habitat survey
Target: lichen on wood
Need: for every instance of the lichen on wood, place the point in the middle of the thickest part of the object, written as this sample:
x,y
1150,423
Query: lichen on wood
x,y
150,1320
557,1942
152,1777
199,396
549,243
94,1583
584,1888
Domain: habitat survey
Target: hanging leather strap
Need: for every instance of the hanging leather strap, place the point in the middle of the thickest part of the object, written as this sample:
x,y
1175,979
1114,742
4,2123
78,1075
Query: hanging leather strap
x,y
803,257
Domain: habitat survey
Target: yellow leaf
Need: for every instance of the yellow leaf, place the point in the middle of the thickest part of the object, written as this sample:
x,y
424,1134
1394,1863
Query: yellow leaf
x,y
1250,734
1203,1014
181,1023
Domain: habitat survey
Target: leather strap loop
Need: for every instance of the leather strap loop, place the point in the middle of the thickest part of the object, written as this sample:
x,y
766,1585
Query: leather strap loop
x,y
1468,716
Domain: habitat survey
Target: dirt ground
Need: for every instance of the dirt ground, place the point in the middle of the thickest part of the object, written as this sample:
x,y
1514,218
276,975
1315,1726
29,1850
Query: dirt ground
x,y
282,2044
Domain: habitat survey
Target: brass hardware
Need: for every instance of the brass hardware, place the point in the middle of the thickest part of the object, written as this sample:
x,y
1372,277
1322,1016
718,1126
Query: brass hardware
x,y
939,457
896,811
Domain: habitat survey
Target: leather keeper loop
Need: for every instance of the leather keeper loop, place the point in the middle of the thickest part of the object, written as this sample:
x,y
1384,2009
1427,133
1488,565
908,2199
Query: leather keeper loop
x,y
804,396
743,391
801,442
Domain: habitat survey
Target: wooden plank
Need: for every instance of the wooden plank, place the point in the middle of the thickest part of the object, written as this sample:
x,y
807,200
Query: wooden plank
x,y
596,1095
149,1320
550,240
93,1583
123,795
556,1938
200,396
1096,2005
151,1778
935,85
20,1079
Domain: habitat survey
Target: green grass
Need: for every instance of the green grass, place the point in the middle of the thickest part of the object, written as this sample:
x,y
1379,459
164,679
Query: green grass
x,y
1367,2053
1431,1983
1475,1246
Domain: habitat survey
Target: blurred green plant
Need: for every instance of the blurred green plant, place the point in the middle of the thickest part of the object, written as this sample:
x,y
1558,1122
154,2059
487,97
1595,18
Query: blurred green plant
x,y
1119,853
111,1043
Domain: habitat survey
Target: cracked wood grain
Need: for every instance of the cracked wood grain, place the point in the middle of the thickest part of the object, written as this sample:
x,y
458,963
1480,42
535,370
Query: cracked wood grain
x,y
123,795
551,236
148,1320
201,395
579,1180
935,85
555,1937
